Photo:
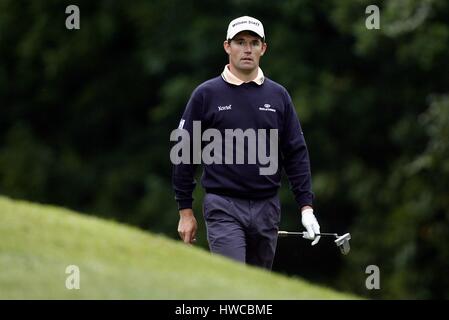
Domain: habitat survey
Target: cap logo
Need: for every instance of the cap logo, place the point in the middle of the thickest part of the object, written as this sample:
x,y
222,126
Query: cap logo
x,y
241,22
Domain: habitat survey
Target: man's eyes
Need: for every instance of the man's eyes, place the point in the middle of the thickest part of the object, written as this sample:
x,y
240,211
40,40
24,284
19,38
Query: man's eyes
x,y
252,43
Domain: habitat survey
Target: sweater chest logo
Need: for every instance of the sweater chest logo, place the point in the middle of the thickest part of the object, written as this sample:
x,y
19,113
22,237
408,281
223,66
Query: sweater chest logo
x,y
267,107
224,108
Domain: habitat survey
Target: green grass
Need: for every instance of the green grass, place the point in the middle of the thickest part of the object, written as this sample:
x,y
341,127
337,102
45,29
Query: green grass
x,y
38,242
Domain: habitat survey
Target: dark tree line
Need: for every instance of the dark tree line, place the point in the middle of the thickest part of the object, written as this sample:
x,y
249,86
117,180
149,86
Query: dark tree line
x,y
86,115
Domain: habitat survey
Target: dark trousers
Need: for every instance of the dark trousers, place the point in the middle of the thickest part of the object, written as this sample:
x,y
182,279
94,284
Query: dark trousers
x,y
241,229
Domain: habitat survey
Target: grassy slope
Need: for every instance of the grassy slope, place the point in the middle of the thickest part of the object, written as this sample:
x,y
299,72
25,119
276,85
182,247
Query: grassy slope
x,y
38,242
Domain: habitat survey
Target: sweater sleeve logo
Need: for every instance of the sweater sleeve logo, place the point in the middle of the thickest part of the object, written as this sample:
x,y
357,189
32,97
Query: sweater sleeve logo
x,y
267,107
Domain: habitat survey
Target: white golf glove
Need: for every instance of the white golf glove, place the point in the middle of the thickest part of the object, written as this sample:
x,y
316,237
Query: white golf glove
x,y
311,224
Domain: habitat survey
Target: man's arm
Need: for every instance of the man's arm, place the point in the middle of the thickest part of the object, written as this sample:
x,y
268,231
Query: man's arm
x,y
183,181
297,167
296,157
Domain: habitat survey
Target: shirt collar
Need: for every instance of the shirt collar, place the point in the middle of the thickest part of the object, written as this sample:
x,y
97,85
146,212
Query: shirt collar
x,y
229,77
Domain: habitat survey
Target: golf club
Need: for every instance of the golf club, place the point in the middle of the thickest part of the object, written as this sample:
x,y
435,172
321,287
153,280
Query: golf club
x,y
342,242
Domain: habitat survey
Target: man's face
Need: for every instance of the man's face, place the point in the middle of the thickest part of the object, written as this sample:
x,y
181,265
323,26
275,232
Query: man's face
x,y
244,51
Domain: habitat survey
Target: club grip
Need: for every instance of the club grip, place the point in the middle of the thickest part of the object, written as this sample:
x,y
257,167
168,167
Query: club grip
x,y
289,233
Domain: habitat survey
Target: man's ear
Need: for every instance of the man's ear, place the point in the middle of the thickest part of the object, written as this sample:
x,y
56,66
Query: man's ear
x,y
227,46
264,48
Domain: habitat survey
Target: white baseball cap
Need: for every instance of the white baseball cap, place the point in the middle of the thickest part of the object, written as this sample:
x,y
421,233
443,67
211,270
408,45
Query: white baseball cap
x,y
245,23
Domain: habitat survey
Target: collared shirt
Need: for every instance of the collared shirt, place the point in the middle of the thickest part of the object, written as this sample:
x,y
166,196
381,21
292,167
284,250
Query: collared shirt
x,y
229,77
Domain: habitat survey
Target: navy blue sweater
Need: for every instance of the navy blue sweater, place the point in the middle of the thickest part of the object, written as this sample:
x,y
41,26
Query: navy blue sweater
x,y
221,105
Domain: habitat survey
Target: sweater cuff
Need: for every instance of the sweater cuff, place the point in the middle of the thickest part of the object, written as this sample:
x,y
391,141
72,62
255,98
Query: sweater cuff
x,y
184,204
305,200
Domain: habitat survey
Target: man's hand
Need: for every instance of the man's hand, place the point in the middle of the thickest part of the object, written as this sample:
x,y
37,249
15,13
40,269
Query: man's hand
x,y
311,224
187,226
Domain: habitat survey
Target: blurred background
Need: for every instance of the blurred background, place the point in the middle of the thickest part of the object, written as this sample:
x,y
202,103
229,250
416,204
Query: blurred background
x,y
86,115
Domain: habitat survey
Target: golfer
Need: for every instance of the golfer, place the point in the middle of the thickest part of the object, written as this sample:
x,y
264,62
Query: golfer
x,y
241,207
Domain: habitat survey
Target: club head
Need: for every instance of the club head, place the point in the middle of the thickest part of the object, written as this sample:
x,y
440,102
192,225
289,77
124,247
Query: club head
x,y
343,243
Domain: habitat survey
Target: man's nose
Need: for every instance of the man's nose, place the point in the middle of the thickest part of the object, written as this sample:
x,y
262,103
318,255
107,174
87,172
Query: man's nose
x,y
247,48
